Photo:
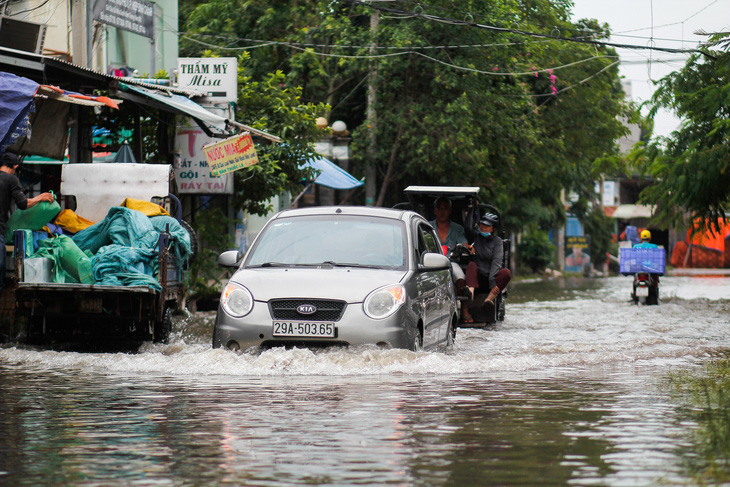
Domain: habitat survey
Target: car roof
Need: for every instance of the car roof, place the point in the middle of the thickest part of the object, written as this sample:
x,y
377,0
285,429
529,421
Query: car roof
x,y
349,210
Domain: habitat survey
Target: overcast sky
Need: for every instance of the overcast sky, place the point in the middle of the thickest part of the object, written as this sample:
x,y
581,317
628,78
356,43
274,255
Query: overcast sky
x,y
662,23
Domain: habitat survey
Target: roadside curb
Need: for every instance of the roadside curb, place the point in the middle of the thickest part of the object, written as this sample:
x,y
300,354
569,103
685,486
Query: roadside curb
x,y
698,272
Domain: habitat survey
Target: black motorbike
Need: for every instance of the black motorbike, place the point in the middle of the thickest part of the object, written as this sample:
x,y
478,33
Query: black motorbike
x,y
646,288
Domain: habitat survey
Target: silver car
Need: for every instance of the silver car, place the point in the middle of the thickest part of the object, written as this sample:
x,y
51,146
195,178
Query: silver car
x,y
339,276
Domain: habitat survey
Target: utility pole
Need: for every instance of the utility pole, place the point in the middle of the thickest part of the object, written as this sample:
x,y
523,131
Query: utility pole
x,y
79,33
371,169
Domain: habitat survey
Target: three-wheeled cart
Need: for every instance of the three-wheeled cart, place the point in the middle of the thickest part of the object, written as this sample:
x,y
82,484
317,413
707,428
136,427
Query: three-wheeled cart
x,y
466,211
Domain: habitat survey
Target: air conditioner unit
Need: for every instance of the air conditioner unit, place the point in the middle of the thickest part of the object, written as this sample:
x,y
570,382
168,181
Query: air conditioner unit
x,y
22,35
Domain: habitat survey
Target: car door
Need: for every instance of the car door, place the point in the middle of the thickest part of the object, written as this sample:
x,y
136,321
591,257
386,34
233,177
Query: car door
x,y
431,286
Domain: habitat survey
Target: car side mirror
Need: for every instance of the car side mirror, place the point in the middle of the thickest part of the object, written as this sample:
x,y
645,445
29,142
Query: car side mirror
x,y
431,261
229,258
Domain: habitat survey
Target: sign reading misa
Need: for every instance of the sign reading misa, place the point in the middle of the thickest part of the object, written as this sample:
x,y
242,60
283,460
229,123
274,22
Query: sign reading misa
x,y
137,16
216,77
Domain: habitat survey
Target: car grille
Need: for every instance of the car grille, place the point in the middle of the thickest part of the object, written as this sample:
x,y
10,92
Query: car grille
x,y
286,309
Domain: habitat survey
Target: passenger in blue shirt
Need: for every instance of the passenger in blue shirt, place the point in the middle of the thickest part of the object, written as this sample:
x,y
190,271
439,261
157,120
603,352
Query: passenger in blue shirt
x,y
450,233
645,241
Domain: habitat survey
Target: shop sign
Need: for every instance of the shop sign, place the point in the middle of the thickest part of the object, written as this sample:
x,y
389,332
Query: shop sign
x,y
216,77
191,166
231,154
137,16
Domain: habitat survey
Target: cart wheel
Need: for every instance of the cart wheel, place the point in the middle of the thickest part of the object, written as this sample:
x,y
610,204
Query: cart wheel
x,y
164,327
193,240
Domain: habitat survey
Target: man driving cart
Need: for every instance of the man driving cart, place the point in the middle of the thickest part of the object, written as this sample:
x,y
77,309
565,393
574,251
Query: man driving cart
x,y
485,271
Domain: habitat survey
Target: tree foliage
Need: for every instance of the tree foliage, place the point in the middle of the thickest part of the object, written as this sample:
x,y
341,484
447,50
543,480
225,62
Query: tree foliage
x,y
692,166
521,116
271,106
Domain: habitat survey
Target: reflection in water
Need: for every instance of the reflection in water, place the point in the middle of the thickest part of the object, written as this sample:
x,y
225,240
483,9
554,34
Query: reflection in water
x,y
354,430
705,392
564,392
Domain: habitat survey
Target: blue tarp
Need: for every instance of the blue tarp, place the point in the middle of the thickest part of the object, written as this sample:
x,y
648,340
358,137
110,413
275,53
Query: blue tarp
x,y
332,175
16,103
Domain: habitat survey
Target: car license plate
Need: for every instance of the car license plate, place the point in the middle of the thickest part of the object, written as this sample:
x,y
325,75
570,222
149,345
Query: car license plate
x,y
313,329
642,291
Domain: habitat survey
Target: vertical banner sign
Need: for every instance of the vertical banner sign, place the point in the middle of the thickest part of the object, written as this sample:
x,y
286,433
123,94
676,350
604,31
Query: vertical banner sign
x,y
190,164
577,252
231,154
136,16
217,77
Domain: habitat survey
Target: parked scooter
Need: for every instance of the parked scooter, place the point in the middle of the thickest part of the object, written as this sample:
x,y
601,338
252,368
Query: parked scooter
x,y
646,288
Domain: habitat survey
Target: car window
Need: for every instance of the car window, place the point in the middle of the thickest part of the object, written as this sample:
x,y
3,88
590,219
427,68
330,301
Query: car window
x,y
428,239
343,239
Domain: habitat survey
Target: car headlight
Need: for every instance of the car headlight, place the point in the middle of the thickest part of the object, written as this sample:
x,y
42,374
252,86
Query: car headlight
x,y
236,300
384,301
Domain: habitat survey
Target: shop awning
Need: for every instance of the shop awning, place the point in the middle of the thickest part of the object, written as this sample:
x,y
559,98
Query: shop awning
x,y
172,102
331,175
185,106
627,212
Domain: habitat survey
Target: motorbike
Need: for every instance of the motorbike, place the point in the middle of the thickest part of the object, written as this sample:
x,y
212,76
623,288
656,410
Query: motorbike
x,y
646,288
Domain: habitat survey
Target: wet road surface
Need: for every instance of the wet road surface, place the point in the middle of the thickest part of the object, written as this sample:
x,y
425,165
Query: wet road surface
x,y
568,390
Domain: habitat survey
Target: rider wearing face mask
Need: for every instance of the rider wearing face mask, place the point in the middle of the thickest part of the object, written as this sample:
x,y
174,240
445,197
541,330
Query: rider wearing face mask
x,y
485,271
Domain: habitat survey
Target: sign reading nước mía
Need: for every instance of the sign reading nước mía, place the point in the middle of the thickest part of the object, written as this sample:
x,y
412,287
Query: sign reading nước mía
x,y
231,154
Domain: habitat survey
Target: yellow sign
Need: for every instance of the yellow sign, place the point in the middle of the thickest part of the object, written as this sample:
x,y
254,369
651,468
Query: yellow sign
x,y
230,154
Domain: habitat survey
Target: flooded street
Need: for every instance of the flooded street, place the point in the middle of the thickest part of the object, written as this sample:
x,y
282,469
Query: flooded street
x,y
569,390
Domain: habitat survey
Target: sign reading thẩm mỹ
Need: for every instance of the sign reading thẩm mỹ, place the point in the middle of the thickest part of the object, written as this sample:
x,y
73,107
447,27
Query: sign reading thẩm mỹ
x,y
231,154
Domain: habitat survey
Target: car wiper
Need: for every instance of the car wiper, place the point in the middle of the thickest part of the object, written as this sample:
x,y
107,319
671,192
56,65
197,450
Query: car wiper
x,y
284,264
352,264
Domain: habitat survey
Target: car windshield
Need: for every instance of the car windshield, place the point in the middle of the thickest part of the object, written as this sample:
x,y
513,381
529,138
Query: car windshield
x,y
333,240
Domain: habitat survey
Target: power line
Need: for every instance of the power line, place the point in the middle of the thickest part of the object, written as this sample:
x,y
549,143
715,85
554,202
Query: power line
x,y
522,32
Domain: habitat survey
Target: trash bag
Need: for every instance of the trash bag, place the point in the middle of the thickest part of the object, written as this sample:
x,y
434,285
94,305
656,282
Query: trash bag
x,y
69,258
71,222
146,207
33,218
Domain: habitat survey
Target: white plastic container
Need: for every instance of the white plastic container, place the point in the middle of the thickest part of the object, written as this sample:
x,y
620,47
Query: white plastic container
x,y
37,269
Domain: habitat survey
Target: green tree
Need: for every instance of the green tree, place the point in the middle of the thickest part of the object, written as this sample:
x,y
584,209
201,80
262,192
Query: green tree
x,y
691,167
457,103
271,106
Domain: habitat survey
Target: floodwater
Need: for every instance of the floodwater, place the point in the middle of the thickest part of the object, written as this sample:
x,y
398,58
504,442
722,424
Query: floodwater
x,y
569,390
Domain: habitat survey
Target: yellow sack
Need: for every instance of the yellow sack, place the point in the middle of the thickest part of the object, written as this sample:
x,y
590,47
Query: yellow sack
x,y
146,207
68,220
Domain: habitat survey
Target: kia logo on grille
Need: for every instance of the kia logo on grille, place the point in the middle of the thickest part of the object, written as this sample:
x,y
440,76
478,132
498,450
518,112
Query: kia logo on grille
x,y
306,309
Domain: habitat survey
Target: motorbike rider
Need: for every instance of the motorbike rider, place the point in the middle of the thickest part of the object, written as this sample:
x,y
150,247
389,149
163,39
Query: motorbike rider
x,y
485,271
645,241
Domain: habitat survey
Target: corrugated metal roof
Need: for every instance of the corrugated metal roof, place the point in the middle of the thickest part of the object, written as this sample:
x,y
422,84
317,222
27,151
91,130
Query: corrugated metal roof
x,y
50,70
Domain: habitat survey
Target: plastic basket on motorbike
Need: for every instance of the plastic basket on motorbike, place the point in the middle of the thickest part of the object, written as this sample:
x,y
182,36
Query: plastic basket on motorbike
x,y
633,260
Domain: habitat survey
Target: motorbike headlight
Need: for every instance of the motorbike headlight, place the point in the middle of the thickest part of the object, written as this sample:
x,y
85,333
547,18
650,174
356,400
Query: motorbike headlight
x,y
236,300
384,301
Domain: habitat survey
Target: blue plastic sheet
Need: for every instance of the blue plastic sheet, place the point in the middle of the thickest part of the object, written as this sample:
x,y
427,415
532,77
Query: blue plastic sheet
x,y
125,250
117,265
16,103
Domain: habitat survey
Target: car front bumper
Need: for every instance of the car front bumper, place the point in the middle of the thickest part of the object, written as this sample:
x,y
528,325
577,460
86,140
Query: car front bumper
x,y
353,328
